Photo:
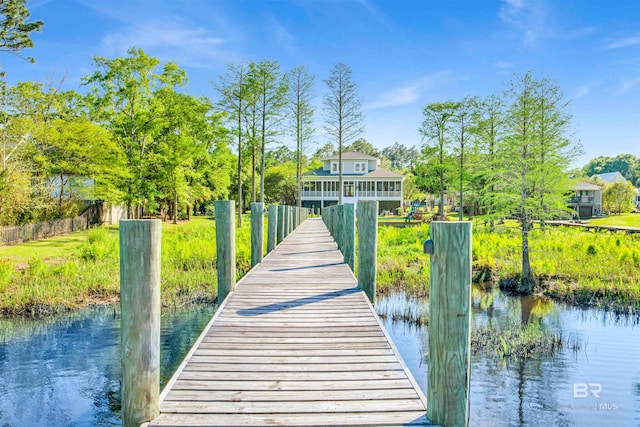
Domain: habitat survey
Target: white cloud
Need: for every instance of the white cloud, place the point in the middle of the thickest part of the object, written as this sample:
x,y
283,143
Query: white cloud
x,y
395,97
629,84
627,42
280,34
171,40
504,65
581,91
529,18
411,91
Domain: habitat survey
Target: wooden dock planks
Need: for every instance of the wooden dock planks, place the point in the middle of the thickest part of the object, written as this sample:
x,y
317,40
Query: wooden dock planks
x,y
297,343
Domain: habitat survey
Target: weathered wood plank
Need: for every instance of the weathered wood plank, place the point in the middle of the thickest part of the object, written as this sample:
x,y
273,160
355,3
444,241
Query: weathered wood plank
x,y
297,343
387,419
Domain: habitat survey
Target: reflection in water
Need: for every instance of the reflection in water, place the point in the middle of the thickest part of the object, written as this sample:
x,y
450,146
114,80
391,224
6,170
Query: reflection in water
x,y
540,391
66,370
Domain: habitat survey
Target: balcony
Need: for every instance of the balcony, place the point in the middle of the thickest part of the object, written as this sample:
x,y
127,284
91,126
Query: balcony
x,y
582,200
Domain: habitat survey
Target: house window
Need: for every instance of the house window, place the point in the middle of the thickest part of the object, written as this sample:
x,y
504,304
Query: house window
x,y
357,167
363,167
334,167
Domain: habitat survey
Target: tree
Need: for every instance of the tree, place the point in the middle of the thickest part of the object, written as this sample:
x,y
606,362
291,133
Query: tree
x,y
15,32
235,94
301,113
124,99
436,150
326,150
344,120
280,183
523,173
270,96
463,113
627,164
618,197
400,156
362,146
489,129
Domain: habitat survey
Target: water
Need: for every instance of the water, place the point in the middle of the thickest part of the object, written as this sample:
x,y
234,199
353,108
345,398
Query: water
x,y
65,371
601,356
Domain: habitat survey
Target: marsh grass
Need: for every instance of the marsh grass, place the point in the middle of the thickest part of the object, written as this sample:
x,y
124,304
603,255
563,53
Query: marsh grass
x,y
578,267
90,273
401,307
517,341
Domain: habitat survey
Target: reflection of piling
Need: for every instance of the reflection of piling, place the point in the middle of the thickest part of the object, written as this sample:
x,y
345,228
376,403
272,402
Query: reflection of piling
x,y
449,323
140,322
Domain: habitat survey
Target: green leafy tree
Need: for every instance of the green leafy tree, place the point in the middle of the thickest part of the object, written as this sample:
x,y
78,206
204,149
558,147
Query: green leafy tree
x,y
618,197
325,151
400,156
301,111
342,106
15,31
124,99
437,163
361,145
522,174
280,183
463,117
628,165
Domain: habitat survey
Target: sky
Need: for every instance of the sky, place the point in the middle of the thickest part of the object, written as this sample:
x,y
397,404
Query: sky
x,y
404,54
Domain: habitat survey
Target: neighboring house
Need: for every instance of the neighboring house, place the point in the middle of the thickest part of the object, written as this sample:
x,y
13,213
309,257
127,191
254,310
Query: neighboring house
x,y
636,198
587,200
610,177
362,179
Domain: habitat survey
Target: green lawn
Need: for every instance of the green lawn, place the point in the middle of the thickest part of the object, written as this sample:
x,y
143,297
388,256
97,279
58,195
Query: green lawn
x,y
627,220
67,244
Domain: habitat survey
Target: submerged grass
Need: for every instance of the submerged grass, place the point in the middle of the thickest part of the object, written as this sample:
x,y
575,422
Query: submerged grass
x,y
89,273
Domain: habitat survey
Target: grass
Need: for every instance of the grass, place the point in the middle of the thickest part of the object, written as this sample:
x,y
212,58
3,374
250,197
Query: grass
x,y
625,220
84,269
518,341
595,269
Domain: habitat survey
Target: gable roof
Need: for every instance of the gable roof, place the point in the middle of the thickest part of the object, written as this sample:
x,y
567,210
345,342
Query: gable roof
x,y
610,177
383,173
351,155
585,186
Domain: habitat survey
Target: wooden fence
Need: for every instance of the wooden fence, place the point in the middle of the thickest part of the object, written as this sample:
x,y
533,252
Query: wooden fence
x,y
41,230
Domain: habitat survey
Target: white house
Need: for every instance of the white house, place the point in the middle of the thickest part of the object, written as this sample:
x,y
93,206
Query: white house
x,y
362,179
587,200
636,199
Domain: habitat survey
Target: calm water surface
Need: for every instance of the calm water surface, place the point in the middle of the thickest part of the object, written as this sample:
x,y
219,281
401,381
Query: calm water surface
x,y
600,348
65,371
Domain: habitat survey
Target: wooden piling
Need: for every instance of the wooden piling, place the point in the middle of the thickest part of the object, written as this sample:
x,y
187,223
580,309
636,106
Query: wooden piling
x,y
295,212
349,235
280,230
367,247
449,324
140,242
287,219
272,226
225,247
257,232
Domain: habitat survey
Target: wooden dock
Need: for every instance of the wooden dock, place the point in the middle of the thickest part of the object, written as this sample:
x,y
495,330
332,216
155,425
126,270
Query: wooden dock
x,y
596,227
297,343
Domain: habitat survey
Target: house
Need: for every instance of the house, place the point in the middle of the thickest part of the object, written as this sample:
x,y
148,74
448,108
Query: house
x,y
587,200
636,199
362,179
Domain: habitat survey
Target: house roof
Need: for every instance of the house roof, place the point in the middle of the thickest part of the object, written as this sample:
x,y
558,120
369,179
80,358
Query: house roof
x,y
378,173
610,177
585,186
351,155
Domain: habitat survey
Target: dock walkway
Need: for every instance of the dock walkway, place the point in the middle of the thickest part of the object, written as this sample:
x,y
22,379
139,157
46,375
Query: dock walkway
x,y
297,343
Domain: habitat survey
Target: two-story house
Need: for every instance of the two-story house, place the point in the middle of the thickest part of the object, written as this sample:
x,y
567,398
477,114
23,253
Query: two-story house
x,y
362,179
587,200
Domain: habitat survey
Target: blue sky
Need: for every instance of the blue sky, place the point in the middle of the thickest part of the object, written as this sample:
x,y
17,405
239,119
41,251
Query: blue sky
x,y
404,54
